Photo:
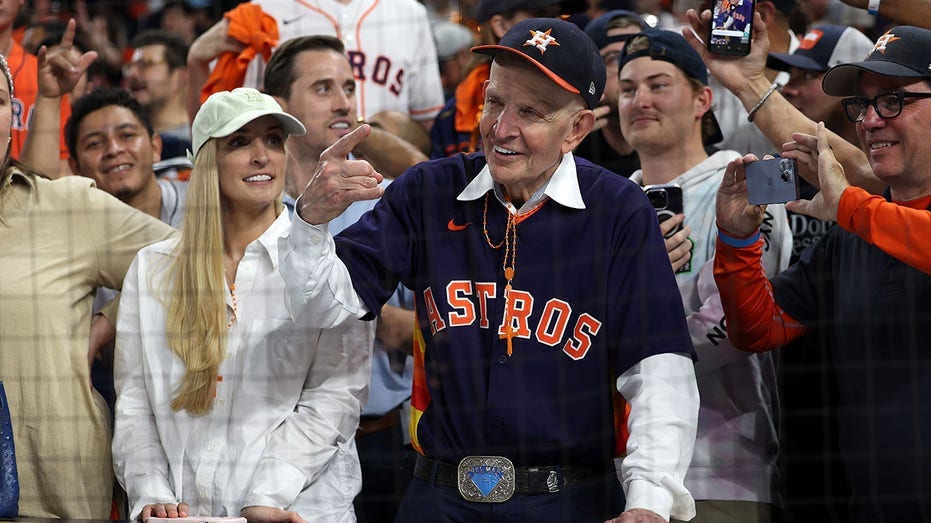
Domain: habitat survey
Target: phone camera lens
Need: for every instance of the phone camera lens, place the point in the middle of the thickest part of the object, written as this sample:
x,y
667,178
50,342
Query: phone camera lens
x,y
658,199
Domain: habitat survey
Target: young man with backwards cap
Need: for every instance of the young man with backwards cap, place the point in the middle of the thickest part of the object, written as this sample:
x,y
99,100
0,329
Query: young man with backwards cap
x,y
853,284
665,112
542,286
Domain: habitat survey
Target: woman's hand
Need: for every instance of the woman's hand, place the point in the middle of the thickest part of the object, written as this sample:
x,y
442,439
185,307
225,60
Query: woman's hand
x,y
257,514
164,510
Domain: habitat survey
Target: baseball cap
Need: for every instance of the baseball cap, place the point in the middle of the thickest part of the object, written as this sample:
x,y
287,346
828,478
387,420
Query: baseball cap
x,y
561,50
903,52
597,29
451,38
672,47
659,44
489,8
823,47
225,112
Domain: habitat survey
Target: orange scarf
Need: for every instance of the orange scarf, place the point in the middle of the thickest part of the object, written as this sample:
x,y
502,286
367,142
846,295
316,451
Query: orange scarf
x,y
253,27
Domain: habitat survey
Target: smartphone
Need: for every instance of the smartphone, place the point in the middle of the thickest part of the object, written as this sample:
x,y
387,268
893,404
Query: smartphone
x,y
666,198
772,181
731,27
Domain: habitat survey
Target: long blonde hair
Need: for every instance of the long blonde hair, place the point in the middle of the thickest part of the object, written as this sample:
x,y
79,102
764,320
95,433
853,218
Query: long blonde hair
x,y
197,315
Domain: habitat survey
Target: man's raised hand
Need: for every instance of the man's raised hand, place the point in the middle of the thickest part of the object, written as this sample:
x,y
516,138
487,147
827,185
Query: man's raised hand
x,y
61,67
339,181
817,153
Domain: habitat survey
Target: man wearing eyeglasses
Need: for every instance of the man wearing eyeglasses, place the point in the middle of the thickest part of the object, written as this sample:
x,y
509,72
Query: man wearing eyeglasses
x,y
859,286
157,77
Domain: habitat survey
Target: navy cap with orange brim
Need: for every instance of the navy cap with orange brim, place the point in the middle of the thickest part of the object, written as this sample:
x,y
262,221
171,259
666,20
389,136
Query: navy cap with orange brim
x,y
559,49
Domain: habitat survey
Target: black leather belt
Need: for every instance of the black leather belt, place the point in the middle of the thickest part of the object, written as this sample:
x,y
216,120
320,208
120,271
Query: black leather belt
x,y
527,480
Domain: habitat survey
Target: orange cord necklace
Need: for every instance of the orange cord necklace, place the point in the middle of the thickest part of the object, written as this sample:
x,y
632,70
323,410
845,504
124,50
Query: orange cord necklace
x,y
508,263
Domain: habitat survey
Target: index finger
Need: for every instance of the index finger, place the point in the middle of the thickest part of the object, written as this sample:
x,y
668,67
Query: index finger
x,y
824,144
342,147
694,31
67,38
805,139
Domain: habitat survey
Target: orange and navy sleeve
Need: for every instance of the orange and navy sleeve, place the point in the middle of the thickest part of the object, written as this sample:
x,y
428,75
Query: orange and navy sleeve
x,y
900,229
755,322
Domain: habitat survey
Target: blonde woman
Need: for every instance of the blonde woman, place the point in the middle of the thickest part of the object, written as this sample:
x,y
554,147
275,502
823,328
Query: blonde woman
x,y
224,405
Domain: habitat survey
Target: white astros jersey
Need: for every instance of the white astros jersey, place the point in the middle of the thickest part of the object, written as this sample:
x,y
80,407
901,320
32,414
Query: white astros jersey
x,y
389,44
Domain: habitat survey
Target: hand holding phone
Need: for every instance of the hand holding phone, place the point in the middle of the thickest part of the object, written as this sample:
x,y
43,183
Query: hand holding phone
x,y
731,27
772,181
667,200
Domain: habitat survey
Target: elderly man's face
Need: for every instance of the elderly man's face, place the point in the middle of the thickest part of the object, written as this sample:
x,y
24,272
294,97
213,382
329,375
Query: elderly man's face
x,y
528,123
897,147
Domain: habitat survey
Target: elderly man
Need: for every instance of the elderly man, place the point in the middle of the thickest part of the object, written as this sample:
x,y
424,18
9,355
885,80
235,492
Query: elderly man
x,y
857,285
542,287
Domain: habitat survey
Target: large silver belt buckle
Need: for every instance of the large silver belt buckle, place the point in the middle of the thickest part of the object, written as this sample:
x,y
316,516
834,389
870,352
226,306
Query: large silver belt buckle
x,y
486,479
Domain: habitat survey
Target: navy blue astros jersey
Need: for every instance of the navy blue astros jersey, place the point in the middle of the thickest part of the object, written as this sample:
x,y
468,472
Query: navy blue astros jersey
x,y
592,294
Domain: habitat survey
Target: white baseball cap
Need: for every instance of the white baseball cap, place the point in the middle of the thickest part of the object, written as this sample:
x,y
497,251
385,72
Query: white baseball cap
x,y
823,47
226,112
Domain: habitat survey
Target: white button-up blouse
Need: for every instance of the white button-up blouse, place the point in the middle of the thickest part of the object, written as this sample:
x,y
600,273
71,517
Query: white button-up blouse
x,y
281,430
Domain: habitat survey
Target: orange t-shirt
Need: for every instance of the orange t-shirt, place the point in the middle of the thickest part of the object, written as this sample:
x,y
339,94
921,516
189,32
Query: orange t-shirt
x,y
24,68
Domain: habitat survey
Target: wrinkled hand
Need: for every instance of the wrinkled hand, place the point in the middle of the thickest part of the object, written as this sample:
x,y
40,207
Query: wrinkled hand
x,y
257,514
817,154
638,515
678,246
734,72
164,510
61,67
338,181
735,215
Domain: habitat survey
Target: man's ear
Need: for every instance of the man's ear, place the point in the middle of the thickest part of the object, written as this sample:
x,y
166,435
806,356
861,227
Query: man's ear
x,y
581,123
704,99
74,165
282,102
156,147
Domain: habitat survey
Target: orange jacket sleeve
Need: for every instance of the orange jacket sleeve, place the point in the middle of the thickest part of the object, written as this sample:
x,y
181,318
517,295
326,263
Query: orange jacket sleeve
x,y
755,322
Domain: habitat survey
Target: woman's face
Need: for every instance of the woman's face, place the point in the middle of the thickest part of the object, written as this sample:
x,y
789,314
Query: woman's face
x,y
6,116
251,164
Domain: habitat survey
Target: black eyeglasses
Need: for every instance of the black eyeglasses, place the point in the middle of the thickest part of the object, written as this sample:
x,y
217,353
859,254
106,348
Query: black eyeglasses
x,y
888,105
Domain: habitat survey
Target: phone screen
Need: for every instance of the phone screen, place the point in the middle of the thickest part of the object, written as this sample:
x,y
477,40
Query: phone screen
x,y
731,24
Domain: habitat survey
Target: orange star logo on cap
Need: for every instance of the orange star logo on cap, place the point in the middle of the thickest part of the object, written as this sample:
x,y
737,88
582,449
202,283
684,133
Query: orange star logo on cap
x,y
541,40
883,41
